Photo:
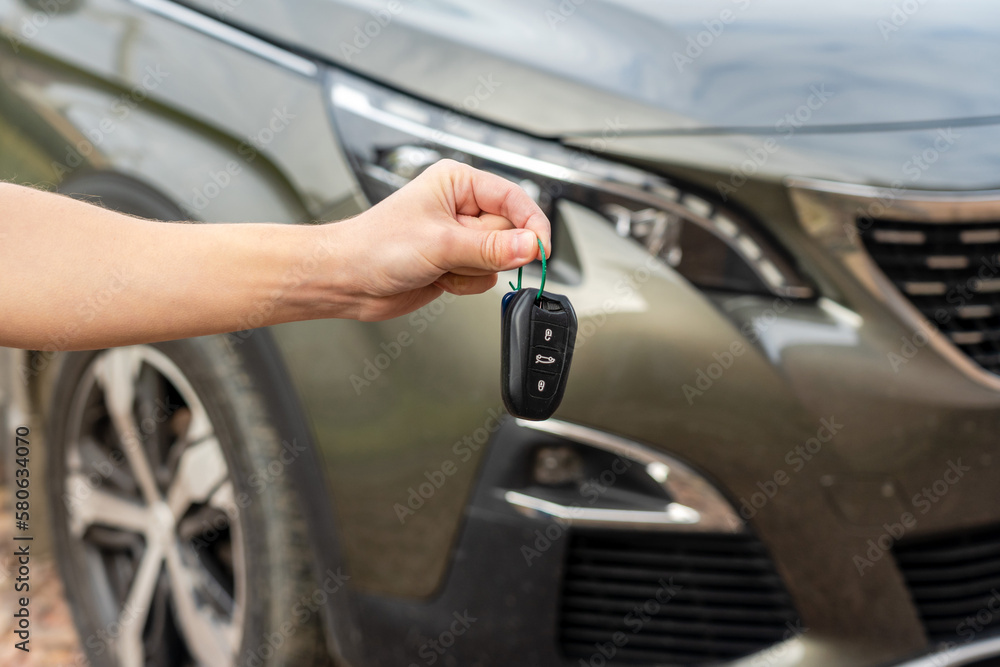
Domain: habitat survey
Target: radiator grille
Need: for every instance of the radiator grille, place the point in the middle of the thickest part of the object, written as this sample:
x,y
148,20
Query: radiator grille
x,y
951,273
728,601
954,580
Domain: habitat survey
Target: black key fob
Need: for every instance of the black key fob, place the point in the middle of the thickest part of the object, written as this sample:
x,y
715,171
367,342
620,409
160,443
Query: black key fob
x,y
537,348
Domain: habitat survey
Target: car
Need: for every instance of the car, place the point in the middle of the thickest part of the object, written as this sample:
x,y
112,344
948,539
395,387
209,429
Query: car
x,y
778,223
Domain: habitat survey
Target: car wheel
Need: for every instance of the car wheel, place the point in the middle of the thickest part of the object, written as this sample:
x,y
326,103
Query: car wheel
x,y
169,556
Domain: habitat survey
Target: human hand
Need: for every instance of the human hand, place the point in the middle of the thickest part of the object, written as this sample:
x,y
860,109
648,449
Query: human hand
x,y
451,229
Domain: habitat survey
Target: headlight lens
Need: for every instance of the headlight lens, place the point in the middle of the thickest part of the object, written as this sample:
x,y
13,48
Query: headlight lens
x,y
390,138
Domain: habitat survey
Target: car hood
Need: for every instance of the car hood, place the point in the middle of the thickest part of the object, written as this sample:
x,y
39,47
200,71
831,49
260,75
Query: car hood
x,y
565,67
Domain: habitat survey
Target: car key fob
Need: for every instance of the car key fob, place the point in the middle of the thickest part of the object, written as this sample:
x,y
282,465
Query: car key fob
x,y
537,340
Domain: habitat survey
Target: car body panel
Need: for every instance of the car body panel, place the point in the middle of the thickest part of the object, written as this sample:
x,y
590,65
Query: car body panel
x,y
127,54
948,157
570,66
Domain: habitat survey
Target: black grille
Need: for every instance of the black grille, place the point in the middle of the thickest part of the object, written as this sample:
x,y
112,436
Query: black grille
x,y
954,580
727,599
951,273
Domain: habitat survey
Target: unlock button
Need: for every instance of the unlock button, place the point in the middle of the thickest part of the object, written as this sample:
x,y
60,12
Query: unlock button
x,y
542,385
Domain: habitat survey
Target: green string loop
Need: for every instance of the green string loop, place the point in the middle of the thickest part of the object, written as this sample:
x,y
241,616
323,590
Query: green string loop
x,y
542,286
538,296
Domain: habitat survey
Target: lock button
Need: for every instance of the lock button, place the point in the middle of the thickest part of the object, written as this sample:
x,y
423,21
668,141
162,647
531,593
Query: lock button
x,y
544,334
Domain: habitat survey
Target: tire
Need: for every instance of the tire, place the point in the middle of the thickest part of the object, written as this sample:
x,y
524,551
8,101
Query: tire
x,y
174,549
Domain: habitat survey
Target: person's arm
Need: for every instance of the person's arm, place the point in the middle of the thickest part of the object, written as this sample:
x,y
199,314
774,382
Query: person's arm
x,y
77,276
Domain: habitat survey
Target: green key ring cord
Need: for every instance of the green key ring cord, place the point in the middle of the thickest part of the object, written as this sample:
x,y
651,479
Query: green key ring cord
x,y
542,286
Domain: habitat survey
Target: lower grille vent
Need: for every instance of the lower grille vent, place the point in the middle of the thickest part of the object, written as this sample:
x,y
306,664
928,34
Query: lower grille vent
x,y
672,599
954,580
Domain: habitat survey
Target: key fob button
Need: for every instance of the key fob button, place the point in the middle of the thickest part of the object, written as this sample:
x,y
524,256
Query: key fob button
x,y
544,334
542,385
545,359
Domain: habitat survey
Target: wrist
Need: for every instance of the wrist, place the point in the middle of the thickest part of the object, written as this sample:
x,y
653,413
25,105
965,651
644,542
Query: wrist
x,y
314,280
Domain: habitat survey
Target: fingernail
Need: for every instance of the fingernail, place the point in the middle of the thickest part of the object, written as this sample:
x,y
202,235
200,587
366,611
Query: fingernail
x,y
525,245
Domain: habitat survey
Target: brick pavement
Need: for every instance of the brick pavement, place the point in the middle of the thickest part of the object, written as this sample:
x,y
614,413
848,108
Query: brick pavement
x,y
53,640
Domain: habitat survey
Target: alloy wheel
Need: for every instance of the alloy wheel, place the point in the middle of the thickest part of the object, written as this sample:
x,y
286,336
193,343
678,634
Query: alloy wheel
x,y
151,513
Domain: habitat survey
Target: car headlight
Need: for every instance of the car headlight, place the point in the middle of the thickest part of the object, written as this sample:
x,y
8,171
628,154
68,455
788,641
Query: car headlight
x,y
390,138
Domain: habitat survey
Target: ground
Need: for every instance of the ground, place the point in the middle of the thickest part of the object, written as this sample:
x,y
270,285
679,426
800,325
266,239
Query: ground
x,y
53,640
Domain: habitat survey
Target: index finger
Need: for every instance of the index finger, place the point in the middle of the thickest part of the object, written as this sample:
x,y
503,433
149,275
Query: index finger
x,y
479,191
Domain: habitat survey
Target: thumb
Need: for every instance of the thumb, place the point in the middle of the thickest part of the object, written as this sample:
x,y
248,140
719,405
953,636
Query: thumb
x,y
496,250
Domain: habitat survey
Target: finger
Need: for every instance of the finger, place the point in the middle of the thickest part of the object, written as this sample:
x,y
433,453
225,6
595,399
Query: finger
x,y
470,271
485,221
463,285
492,250
478,192
482,222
